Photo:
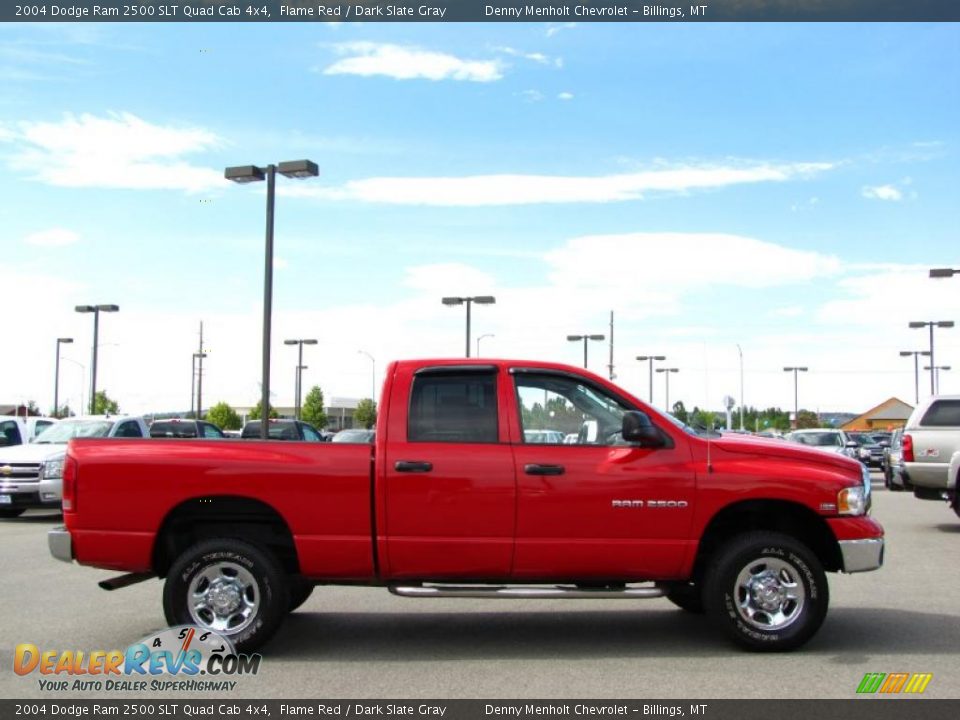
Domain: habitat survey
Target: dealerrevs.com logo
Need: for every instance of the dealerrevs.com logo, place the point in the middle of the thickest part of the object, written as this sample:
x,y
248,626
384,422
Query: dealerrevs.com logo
x,y
893,683
183,658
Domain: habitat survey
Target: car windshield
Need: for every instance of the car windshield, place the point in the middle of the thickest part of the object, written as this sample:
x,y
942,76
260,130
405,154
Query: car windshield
x,y
353,436
817,439
68,429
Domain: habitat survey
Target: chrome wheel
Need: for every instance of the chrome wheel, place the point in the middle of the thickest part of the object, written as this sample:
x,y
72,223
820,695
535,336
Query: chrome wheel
x,y
769,594
224,597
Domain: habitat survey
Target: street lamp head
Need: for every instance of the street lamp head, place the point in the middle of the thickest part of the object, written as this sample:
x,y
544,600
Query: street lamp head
x,y
298,169
452,301
65,340
244,174
484,299
906,353
945,323
290,342
309,341
574,338
942,272
85,308
108,308
917,324
597,337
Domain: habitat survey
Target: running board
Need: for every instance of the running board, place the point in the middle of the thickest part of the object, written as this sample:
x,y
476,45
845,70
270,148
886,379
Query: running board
x,y
122,581
508,592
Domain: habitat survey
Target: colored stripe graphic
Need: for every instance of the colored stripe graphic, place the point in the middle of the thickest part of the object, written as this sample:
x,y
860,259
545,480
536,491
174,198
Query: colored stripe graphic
x,y
894,682
871,682
918,683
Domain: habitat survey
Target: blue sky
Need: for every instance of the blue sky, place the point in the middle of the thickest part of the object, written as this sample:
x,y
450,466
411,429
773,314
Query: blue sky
x,y
784,187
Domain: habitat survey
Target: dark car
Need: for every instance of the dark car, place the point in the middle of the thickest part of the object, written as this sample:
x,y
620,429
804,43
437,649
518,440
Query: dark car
x,y
184,428
893,476
869,450
355,435
283,430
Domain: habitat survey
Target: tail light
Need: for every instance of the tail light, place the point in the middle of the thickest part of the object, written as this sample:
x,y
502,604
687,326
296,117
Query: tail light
x,y
70,484
907,449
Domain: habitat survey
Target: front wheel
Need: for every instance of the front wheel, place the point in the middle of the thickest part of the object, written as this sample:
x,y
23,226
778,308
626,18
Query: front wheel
x,y
229,586
767,591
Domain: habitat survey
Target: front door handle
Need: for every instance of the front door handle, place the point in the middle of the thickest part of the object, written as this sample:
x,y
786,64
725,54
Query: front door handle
x,y
413,466
543,469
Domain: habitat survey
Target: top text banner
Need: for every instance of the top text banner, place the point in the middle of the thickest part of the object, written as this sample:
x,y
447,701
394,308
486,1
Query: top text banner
x,y
479,11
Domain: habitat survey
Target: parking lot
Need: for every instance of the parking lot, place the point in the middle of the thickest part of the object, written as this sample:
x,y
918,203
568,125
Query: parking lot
x,y
365,643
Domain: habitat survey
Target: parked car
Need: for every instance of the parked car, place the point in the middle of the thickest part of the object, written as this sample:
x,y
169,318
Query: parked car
x,y
31,476
869,451
17,430
828,439
893,478
184,428
449,501
931,449
546,437
354,435
280,429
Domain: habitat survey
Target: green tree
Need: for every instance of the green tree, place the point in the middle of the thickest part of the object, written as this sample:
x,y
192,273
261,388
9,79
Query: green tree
x,y
366,414
257,410
63,411
224,417
103,405
32,409
680,411
312,410
807,419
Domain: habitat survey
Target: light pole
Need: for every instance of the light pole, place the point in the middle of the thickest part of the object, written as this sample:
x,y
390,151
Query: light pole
x,y
196,383
298,390
248,174
931,324
739,350
943,272
935,369
796,405
96,310
585,338
651,358
468,301
373,374
666,373
916,370
83,374
56,377
485,335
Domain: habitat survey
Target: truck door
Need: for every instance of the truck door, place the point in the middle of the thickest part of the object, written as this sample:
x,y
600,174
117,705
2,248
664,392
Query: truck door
x,y
596,508
449,493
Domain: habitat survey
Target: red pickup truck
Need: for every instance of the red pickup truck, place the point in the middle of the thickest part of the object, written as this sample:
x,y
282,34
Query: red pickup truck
x,y
450,501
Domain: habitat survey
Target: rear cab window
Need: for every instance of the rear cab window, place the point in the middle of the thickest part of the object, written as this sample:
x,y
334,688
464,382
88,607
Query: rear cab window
x,y
453,407
942,413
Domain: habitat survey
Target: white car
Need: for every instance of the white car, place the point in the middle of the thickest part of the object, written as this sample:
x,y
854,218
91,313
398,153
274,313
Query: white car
x,y
31,475
17,430
828,439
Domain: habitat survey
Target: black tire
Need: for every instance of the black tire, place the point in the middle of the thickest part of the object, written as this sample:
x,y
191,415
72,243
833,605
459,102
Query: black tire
x,y
12,512
778,566
300,590
252,572
687,596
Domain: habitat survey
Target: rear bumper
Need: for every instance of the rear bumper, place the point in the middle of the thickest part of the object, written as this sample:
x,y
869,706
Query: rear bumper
x,y
60,544
928,475
861,555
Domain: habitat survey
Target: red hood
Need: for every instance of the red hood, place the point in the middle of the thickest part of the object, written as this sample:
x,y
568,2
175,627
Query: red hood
x,y
783,448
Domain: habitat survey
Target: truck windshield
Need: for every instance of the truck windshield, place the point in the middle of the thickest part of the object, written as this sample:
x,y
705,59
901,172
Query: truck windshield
x,y
68,429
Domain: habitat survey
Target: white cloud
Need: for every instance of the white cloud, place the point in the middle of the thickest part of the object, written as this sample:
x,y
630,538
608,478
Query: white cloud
x,y
480,190
565,96
536,57
117,151
409,63
882,192
554,28
54,237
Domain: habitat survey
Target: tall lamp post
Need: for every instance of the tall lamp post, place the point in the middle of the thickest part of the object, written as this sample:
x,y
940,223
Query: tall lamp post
x,y
935,369
373,374
96,310
943,272
585,338
56,377
651,358
298,383
916,370
666,373
251,173
796,404
468,301
739,350
485,335
196,383
931,324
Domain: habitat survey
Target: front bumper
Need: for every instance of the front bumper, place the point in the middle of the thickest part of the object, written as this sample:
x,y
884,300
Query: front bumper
x,y
60,544
861,555
42,493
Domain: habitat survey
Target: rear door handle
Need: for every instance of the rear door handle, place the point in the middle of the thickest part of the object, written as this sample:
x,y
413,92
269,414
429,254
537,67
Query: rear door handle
x,y
544,469
412,466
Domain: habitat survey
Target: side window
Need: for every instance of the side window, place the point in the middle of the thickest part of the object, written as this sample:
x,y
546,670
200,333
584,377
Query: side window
x,y
943,413
129,429
9,433
310,434
555,409
211,431
457,408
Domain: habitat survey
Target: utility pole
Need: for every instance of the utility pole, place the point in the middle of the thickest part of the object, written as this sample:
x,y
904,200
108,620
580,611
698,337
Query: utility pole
x,y
613,375
200,356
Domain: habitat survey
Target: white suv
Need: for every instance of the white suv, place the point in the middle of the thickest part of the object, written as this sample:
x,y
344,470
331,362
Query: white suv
x,y
930,454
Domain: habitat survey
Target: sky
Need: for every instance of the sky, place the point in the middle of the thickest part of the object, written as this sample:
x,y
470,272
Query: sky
x,y
784,188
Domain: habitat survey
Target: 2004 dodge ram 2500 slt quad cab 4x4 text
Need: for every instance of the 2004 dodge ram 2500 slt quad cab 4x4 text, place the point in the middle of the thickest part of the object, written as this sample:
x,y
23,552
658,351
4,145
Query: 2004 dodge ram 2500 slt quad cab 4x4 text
x,y
450,501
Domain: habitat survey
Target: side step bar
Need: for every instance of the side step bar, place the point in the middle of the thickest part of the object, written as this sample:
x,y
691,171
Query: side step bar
x,y
123,581
509,592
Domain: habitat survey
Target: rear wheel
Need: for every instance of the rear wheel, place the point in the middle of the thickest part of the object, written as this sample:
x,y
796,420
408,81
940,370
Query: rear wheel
x,y
230,586
767,591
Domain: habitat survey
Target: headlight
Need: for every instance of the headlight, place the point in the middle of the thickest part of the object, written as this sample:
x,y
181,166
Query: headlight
x,y
852,501
864,453
52,469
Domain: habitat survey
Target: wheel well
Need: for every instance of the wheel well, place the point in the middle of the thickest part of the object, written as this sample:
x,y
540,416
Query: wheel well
x,y
223,516
775,516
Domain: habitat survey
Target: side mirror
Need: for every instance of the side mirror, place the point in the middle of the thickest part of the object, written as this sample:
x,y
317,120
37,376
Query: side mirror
x,y
637,428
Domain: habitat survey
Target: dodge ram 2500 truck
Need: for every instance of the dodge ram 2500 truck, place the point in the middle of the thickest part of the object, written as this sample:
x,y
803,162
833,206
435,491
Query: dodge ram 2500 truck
x,y
451,501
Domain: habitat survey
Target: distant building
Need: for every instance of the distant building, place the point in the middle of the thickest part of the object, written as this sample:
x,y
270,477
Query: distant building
x,y
888,415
